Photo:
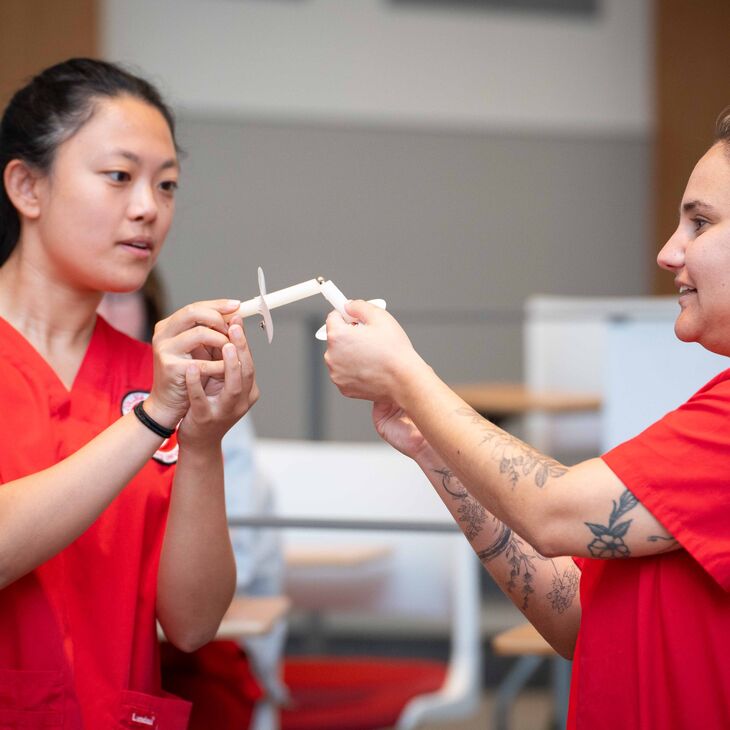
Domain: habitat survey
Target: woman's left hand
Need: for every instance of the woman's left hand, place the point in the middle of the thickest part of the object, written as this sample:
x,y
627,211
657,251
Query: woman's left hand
x,y
218,402
396,428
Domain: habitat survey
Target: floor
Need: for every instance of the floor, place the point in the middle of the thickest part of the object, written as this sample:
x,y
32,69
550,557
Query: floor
x,y
531,711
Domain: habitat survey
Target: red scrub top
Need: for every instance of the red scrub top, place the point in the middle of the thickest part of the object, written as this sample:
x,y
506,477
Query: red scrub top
x,y
654,643
78,645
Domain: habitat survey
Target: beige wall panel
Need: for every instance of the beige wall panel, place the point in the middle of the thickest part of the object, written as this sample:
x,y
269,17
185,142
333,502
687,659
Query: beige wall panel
x,y
692,87
36,33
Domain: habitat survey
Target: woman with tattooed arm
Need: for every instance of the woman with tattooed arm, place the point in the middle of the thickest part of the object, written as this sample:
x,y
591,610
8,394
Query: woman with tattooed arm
x,y
643,530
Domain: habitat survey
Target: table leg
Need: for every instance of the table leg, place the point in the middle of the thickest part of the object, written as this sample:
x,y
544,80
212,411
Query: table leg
x,y
510,687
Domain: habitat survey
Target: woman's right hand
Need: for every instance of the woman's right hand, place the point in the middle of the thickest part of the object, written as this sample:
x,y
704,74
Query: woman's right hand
x,y
373,360
396,428
196,335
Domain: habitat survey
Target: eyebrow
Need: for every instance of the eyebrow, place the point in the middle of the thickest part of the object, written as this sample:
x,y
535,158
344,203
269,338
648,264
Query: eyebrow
x,y
166,165
694,205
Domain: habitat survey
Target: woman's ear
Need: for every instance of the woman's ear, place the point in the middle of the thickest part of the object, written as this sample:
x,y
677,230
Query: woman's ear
x,y
21,186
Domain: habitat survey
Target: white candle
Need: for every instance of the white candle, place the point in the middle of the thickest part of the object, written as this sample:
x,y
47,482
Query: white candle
x,y
336,298
281,297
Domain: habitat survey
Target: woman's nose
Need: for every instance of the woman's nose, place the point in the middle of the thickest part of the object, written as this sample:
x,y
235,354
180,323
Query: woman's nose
x,y
143,205
671,256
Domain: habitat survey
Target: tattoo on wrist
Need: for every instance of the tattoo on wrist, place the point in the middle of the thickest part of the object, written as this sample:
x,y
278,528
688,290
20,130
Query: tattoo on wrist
x,y
455,490
516,459
608,540
470,514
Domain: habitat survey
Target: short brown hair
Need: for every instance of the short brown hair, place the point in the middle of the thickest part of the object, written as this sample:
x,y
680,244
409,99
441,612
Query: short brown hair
x,y
722,126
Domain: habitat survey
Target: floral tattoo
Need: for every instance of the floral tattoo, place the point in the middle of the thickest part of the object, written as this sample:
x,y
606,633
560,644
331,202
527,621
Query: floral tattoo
x,y
608,540
522,567
565,587
521,558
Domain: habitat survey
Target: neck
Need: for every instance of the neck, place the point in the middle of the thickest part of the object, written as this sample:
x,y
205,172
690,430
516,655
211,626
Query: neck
x,y
50,313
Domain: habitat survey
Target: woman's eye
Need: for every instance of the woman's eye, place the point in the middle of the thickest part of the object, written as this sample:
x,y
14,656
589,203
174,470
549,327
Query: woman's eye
x,y
700,223
118,176
169,186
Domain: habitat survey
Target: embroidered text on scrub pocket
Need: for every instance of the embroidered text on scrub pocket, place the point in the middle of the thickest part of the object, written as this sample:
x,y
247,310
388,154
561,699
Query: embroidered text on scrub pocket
x,y
144,720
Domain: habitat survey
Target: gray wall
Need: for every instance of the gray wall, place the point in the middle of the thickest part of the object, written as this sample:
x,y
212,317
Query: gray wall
x,y
453,229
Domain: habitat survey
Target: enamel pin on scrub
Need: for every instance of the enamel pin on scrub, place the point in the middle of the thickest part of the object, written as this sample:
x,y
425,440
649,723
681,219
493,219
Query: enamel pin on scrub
x,y
266,301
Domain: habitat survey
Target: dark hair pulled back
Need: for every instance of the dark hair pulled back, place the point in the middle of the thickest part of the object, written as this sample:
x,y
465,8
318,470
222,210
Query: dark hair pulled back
x,y
50,109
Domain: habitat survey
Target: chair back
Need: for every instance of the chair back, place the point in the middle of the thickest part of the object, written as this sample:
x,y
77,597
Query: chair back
x,y
566,348
424,576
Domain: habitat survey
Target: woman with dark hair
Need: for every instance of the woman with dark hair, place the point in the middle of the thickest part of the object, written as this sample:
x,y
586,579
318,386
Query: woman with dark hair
x,y
112,512
647,522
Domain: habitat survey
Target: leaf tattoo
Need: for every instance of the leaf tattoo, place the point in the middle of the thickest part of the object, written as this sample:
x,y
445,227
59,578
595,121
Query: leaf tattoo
x,y
522,563
516,459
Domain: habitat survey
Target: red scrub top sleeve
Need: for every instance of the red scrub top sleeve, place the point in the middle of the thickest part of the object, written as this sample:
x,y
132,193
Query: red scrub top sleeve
x,y
678,469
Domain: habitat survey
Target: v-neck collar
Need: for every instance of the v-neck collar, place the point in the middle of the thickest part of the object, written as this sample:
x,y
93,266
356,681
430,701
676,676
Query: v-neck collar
x,y
20,351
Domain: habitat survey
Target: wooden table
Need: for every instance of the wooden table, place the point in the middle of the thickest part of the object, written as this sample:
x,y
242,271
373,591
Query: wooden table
x,y
248,616
252,616
333,556
501,400
519,640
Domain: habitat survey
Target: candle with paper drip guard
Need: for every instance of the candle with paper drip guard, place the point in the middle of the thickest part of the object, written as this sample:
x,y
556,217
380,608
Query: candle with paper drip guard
x,y
265,302
281,297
